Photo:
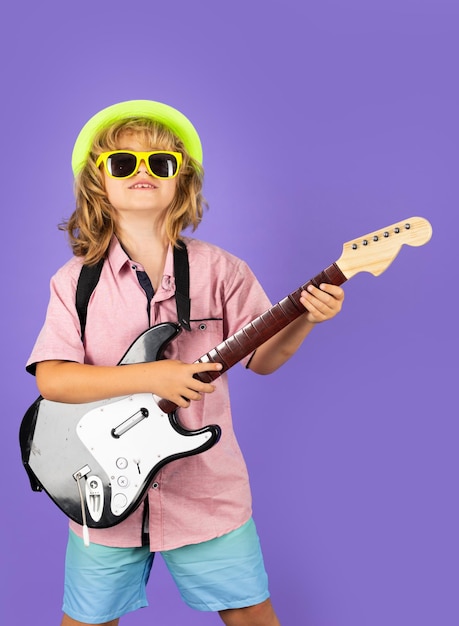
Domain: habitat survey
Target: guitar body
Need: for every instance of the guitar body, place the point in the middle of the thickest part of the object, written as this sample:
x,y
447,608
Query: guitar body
x,y
111,450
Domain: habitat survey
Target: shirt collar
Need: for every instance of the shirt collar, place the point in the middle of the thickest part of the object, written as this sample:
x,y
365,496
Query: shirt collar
x,y
118,259
116,256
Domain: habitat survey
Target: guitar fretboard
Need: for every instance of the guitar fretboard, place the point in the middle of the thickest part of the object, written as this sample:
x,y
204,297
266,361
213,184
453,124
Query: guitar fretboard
x,y
262,328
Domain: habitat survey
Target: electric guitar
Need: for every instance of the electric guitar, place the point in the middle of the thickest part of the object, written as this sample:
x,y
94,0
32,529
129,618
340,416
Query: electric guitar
x,y
97,460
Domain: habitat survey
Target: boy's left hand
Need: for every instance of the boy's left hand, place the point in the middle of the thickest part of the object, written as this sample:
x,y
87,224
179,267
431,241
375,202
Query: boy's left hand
x,y
322,304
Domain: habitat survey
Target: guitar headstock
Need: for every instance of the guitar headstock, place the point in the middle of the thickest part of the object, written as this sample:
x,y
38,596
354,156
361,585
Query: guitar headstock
x,y
375,251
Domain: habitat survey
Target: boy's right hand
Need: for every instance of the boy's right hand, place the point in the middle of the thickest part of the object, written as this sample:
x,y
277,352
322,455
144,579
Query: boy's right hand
x,y
175,381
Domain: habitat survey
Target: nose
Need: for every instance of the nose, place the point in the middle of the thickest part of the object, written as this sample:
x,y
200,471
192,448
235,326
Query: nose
x,y
142,167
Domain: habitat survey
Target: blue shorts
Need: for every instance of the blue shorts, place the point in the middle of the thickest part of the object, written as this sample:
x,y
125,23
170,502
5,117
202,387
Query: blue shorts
x,y
103,583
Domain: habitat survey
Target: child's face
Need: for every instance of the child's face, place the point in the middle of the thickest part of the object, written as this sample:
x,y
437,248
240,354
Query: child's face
x,y
141,193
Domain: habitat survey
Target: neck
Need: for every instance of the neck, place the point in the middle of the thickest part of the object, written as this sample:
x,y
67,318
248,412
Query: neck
x,y
146,245
141,233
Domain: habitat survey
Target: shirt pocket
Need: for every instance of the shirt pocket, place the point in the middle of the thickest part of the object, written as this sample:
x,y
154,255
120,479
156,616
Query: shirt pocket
x,y
205,335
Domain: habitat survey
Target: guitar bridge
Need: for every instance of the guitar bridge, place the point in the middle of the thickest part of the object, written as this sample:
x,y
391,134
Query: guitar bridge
x,y
95,497
94,493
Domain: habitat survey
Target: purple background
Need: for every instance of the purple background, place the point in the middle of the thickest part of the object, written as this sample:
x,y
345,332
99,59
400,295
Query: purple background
x,y
352,446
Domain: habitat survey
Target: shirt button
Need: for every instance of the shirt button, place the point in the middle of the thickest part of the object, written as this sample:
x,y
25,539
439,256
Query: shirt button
x,y
155,485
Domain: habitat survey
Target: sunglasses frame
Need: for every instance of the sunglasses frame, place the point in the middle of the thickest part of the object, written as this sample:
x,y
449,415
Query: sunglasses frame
x,y
140,156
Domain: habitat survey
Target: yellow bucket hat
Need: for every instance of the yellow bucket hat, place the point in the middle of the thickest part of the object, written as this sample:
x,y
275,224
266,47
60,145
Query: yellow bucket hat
x,y
157,111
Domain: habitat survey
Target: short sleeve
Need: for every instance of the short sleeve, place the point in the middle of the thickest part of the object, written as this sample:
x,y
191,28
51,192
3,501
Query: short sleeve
x,y
59,338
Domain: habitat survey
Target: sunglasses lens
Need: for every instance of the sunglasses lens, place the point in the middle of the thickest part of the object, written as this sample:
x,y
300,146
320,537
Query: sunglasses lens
x,y
163,165
121,165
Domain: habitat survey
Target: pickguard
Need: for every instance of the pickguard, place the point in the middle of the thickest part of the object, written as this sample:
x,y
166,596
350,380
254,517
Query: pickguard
x,y
143,443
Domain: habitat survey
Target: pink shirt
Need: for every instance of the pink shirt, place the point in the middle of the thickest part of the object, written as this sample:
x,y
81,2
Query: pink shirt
x,y
205,495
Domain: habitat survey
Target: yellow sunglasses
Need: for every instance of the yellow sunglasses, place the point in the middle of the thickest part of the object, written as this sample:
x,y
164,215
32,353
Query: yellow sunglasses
x,y
125,163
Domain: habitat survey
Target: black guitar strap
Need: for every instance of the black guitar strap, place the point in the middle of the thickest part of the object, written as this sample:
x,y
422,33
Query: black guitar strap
x,y
90,275
182,284
87,281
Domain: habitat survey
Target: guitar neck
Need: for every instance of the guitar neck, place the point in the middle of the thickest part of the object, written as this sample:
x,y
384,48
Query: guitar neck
x,y
262,328
372,253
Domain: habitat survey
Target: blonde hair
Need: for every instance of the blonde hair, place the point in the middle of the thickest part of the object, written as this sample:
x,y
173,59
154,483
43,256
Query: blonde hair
x,y
93,222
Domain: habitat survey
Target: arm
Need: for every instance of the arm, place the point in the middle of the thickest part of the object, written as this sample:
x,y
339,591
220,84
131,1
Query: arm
x,y
65,381
321,305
